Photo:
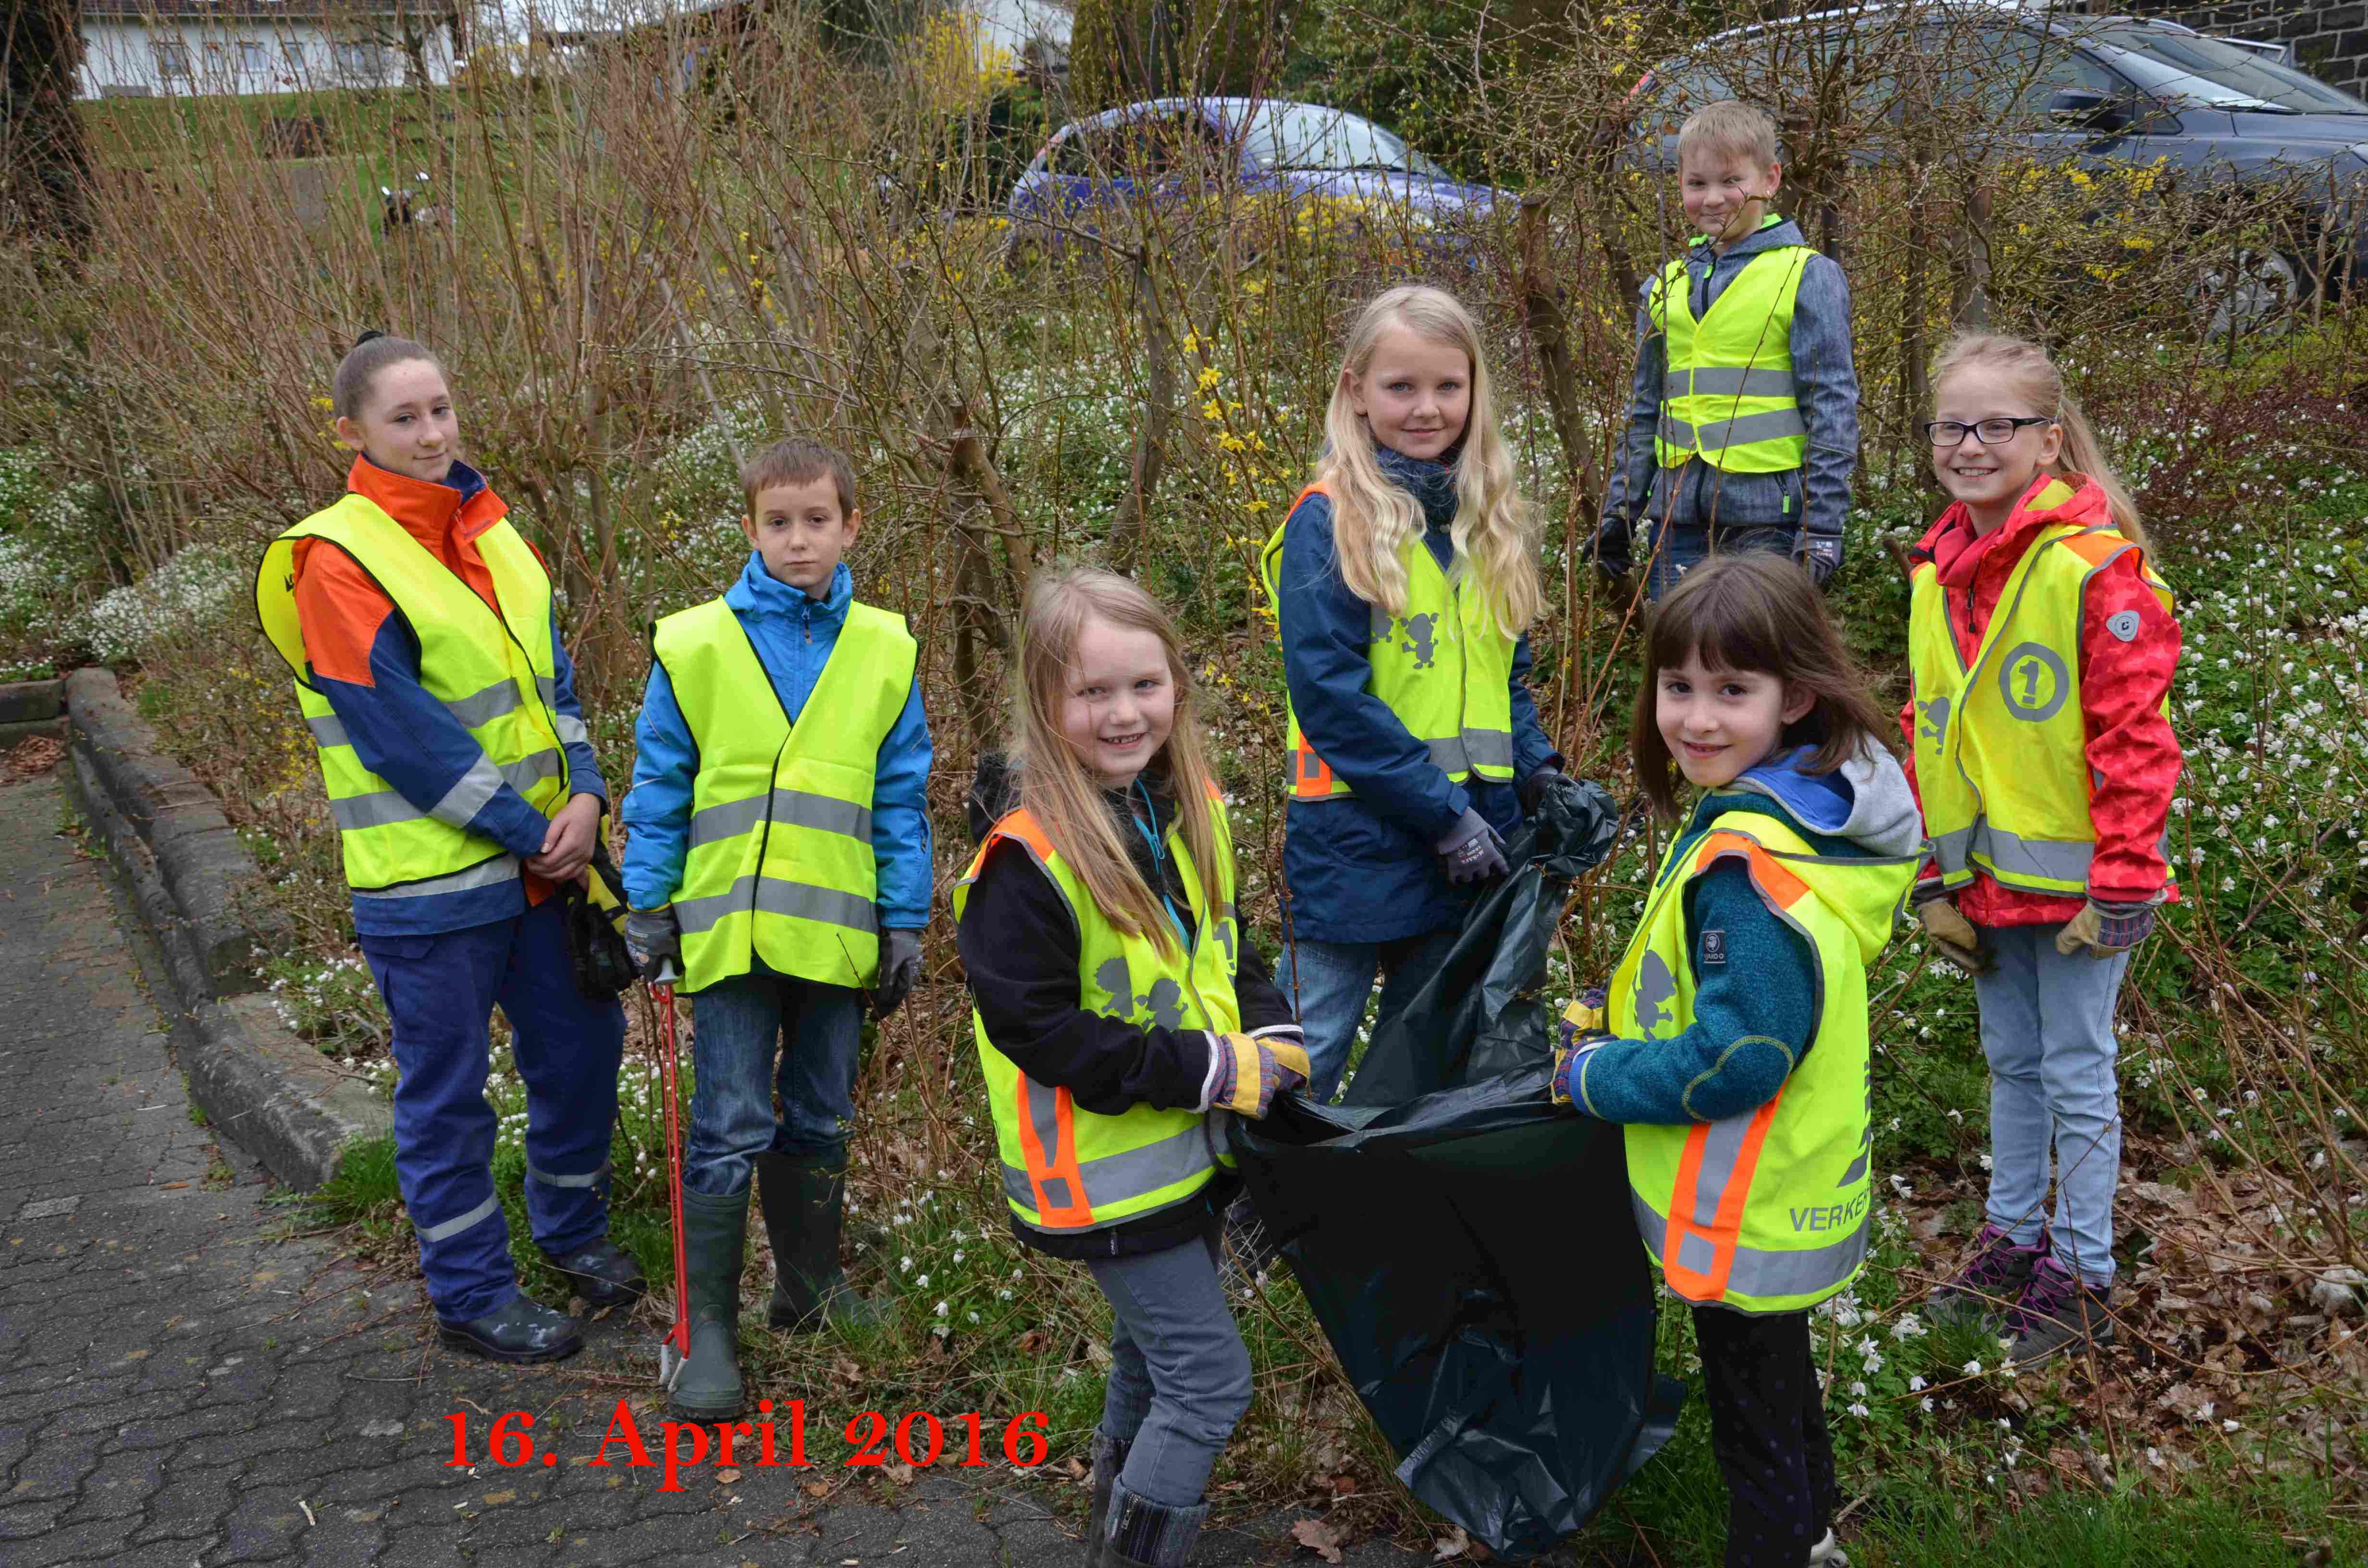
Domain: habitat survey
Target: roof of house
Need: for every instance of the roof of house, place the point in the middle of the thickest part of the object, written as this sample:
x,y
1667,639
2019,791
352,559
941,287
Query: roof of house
x,y
263,10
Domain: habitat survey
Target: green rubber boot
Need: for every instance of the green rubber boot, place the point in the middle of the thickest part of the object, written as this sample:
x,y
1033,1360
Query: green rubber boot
x,y
714,1239
802,1195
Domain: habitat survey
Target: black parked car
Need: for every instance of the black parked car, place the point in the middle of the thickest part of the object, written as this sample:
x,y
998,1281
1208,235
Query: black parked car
x,y
2098,91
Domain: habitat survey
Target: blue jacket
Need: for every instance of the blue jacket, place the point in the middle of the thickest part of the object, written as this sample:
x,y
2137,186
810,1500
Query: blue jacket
x,y
1756,1007
404,735
1363,868
794,635
1810,501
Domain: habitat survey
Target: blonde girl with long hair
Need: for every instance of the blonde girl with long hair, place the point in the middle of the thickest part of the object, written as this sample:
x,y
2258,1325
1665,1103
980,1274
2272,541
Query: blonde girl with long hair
x,y
2041,647
1401,579
1116,1005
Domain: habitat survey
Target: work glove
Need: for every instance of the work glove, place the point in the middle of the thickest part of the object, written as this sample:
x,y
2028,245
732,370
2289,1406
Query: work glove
x,y
1472,852
900,965
1576,1036
1820,557
1611,552
1533,788
1955,940
654,938
1246,1072
2106,930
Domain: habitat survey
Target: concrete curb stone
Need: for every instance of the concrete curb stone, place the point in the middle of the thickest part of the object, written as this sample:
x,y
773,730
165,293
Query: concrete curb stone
x,y
197,890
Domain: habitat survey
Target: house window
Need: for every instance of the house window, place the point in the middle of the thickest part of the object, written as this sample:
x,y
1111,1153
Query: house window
x,y
251,58
364,61
172,58
292,52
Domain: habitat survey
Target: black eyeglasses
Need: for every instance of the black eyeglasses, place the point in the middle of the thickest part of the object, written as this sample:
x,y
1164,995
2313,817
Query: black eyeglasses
x,y
1993,432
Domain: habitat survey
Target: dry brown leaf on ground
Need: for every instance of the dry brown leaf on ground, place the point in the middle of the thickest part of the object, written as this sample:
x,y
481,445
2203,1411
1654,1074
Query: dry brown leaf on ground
x,y
1319,1538
36,753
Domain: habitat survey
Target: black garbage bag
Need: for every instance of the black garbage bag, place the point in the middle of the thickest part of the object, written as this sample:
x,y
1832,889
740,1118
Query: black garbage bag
x,y
1469,1250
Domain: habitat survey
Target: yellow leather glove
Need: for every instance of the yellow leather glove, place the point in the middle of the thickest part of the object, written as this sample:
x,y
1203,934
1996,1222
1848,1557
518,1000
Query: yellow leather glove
x,y
2105,930
1955,940
1247,1074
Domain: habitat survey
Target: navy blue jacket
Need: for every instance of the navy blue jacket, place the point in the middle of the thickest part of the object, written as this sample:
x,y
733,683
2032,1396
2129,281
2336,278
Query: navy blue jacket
x,y
1363,868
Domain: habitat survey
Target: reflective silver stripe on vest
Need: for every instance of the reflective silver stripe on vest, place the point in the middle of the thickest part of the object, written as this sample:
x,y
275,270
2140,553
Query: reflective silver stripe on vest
x,y
1722,1144
800,901
485,873
2013,856
1721,434
450,1228
1113,1178
1472,748
1448,755
799,808
589,1178
570,729
1728,380
460,804
1757,1272
328,730
484,707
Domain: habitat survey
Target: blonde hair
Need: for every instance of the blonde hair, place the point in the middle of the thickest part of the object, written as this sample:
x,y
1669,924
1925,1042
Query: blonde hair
x,y
1060,791
1375,521
1735,129
2035,376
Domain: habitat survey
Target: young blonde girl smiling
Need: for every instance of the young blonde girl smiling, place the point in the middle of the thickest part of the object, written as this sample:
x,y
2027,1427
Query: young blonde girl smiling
x,y
2040,649
1116,1004
1402,578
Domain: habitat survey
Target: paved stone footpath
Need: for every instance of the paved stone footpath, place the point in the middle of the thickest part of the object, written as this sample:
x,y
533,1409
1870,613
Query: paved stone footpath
x,y
185,1381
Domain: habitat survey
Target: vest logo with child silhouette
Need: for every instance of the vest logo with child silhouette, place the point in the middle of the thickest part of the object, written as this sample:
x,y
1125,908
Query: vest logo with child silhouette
x,y
1162,1006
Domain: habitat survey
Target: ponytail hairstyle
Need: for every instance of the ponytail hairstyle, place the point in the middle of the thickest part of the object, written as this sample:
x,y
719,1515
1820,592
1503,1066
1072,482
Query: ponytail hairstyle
x,y
1757,613
371,353
1375,521
2035,376
1057,787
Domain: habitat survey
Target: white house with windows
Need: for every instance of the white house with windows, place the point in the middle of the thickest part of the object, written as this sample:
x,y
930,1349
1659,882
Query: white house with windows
x,y
155,48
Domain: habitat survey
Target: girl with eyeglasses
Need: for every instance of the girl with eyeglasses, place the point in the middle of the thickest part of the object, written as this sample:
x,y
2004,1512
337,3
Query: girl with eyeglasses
x,y
2040,647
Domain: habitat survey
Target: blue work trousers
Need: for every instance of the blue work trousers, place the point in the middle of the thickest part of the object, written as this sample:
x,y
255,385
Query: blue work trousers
x,y
738,1026
441,993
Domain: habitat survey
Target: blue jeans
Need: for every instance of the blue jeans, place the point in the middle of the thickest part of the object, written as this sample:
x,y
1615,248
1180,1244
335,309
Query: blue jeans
x,y
2047,1029
1329,982
1180,1377
737,1026
441,993
1680,546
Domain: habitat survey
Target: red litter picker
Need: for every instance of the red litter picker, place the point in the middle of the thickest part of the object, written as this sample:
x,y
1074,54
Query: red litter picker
x,y
674,1349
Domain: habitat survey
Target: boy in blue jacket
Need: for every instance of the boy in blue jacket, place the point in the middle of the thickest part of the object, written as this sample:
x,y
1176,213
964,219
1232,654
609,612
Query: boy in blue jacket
x,y
779,856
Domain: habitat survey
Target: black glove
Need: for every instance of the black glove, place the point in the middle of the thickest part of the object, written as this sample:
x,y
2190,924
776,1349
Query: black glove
x,y
900,965
1533,788
1472,852
1820,557
1611,552
655,937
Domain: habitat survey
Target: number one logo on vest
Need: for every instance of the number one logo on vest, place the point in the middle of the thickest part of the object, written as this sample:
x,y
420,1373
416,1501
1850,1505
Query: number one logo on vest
x,y
2035,682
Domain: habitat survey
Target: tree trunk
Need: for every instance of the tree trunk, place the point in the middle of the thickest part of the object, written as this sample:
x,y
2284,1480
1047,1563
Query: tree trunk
x,y
44,166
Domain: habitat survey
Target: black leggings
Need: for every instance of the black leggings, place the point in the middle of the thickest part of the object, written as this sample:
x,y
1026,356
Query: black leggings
x,y
1768,1428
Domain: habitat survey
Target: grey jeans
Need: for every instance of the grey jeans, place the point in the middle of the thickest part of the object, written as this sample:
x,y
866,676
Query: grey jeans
x,y
1180,1376
2047,1029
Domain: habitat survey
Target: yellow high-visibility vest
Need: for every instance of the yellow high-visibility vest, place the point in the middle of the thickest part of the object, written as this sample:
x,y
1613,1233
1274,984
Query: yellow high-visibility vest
x,y
780,864
1066,1168
2001,744
1765,1211
1727,394
495,671
1444,667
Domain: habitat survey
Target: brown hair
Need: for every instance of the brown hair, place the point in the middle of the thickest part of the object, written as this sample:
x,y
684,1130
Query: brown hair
x,y
2036,377
1757,613
1056,785
360,368
1735,129
796,461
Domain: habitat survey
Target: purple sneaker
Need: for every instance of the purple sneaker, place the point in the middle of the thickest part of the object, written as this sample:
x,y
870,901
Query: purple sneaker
x,y
2058,1312
1986,1288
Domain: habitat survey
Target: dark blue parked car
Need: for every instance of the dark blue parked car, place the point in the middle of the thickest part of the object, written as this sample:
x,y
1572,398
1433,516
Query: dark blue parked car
x,y
1170,150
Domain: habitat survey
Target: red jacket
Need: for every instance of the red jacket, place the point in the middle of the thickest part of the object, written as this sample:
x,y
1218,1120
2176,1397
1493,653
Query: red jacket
x,y
2134,758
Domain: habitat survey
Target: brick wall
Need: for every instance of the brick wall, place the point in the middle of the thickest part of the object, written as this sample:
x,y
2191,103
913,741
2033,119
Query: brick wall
x,y
2331,40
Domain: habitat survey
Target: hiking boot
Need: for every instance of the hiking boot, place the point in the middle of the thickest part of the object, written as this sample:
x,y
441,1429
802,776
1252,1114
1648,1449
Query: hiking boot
x,y
1140,1533
714,1242
1991,1282
803,1198
1109,1459
522,1333
603,1273
2056,1313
